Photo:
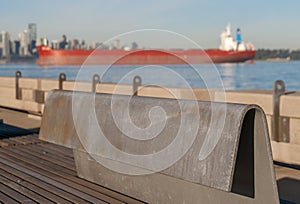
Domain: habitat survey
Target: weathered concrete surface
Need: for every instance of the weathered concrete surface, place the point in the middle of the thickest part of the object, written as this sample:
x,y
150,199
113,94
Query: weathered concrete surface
x,y
61,130
238,170
286,152
263,98
20,119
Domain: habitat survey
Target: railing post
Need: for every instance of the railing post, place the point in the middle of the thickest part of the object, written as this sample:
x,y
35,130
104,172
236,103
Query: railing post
x,y
137,81
18,90
96,80
62,77
280,124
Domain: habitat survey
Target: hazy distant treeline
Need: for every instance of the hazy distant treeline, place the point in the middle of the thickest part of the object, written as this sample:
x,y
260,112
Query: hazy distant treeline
x,y
264,54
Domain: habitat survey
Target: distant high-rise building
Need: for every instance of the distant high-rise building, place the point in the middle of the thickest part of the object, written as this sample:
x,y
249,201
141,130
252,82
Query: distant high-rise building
x,y
4,44
24,43
32,31
16,47
32,34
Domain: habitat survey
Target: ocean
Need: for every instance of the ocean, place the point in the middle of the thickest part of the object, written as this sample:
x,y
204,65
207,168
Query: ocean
x,y
257,75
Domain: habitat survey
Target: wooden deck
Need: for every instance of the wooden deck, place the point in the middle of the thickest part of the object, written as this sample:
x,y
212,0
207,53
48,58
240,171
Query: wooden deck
x,y
33,171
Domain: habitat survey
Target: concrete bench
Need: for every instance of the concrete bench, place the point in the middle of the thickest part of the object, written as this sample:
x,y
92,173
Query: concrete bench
x,y
165,150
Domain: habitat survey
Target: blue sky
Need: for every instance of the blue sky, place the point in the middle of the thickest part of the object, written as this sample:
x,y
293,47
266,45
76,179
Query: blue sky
x,y
267,24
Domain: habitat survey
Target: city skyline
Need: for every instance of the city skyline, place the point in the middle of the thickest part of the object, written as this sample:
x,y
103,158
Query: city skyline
x,y
266,25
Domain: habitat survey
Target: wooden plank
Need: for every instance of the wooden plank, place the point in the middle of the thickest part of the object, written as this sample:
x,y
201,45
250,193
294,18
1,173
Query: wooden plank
x,y
80,86
8,142
27,94
19,119
49,154
31,139
7,93
3,143
286,152
34,188
14,194
49,148
23,190
49,84
30,83
15,141
18,140
33,136
111,193
261,98
6,199
289,105
24,139
49,160
21,105
54,179
59,149
43,185
6,81
36,161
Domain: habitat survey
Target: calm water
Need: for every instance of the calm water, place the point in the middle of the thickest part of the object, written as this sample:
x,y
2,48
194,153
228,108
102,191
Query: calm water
x,y
233,76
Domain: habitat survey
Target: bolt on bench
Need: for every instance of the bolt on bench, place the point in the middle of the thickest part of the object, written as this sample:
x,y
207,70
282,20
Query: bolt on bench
x,y
165,150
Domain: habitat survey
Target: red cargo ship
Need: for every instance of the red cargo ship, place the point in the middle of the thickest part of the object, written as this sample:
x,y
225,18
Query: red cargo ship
x,y
230,51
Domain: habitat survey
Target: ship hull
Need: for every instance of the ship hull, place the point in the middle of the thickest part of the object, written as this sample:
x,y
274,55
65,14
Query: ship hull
x,y
49,57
